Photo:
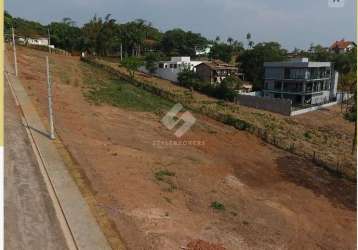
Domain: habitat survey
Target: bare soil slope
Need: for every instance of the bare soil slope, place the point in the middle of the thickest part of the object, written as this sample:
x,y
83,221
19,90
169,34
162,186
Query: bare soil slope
x,y
234,192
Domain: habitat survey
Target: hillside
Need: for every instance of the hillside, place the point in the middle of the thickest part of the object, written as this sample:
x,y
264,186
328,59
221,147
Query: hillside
x,y
233,191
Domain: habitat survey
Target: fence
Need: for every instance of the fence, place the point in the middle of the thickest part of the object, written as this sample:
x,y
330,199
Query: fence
x,y
45,48
340,167
281,106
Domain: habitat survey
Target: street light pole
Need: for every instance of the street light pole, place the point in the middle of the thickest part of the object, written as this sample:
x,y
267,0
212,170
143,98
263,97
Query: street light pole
x,y
49,40
49,89
14,49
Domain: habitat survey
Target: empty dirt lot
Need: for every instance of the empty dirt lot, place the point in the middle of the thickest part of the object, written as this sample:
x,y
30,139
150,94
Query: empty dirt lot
x,y
234,192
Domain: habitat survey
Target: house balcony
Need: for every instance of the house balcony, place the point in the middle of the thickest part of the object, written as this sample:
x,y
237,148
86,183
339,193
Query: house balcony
x,y
294,91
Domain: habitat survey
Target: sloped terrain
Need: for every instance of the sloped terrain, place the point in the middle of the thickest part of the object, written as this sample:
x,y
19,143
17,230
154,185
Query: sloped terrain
x,y
232,191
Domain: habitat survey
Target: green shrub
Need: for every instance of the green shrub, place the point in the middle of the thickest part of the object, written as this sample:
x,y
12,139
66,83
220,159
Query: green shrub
x,y
307,135
217,205
160,175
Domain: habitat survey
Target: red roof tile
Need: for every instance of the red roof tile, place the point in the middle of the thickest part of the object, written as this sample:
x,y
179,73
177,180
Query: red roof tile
x,y
342,44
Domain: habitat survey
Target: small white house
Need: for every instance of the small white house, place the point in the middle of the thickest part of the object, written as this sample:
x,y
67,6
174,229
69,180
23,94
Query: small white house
x,y
170,69
41,41
203,52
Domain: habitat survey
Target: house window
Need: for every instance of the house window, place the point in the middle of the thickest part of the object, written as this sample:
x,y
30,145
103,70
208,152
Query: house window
x,y
266,85
161,65
175,66
277,85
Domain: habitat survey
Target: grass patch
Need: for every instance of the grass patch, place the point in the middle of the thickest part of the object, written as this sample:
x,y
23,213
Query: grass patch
x,y
103,88
164,176
161,174
217,205
119,93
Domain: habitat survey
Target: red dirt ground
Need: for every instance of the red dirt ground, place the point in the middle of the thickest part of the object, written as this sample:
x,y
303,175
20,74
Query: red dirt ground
x,y
272,199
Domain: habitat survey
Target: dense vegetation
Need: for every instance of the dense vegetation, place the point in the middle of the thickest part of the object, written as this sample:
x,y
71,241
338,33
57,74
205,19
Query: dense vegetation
x,y
225,91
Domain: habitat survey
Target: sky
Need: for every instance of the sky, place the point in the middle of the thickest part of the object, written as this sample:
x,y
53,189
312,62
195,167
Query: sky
x,y
293,23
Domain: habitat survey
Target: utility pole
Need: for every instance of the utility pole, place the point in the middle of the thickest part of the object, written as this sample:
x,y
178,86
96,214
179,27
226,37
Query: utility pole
x,y
121,52
50,110
14,49
49,40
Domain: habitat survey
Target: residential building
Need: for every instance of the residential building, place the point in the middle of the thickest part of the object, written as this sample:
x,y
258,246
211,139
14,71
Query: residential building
x,y
246,87
303,82
40,41
37,41
169,70
216,71
204,51
342,46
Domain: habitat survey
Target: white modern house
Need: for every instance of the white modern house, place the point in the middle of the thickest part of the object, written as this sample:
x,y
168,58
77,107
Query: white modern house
x,y
38,41
169,70
301,81
41,41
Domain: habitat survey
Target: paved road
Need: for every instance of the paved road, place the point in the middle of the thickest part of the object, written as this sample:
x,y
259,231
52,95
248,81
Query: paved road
x,y
30,220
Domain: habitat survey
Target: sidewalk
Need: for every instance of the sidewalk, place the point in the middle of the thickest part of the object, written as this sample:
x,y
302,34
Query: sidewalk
x,y
84,230
30,220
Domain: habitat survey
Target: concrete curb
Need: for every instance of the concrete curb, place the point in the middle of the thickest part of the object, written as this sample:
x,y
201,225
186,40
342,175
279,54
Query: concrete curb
x,y
74,214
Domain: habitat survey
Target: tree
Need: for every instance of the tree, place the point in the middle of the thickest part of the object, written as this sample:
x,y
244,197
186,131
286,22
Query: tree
x,y
151,60
188,78
99,35
8,22
226,90
179,42
217,39
248,38
230,40
66,36
319,53
351,115
251,44
238,46
26,28
232,82
222,52
131,64
252,60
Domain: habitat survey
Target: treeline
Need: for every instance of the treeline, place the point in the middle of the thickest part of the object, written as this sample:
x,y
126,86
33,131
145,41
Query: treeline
x,y
107,37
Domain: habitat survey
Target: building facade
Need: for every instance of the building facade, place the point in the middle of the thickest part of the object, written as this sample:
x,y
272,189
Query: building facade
x,y
305,83
342,46
216,71
40,41
169,70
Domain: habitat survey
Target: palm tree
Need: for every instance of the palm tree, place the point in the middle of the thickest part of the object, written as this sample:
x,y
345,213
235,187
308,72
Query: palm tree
x,y
251,44
248,38
230,40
